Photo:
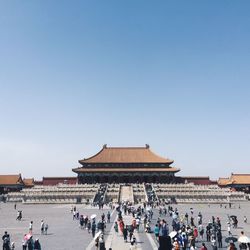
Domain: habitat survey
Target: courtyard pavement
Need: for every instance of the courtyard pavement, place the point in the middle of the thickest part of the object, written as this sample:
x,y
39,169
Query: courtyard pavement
x,y
64,232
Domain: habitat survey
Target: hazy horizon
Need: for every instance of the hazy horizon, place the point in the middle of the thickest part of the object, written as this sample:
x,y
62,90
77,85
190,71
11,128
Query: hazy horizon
x,y
77,75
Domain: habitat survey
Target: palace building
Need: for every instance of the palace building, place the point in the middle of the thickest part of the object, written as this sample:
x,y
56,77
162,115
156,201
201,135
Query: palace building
x,y
12,182
239,182
126,165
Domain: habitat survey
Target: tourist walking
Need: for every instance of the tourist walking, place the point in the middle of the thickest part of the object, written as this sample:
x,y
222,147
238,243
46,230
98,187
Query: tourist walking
x,y
6,241
93,229
214,243
243,240
116,227
30,243
42,227
176,245
99,243
203,247
156,232
19,215
245,219
46,227
31,227
25,242
89,226
231,246
201,231
219,238
164,239
12,245
137,224
108,217
37,245
125,233
229,229
81,222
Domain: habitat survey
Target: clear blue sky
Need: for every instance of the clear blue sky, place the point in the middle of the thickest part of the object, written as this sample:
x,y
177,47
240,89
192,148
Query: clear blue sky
x,y
75,75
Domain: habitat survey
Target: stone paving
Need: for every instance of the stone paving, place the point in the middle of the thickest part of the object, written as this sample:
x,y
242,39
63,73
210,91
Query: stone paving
x,y
64,232
126,193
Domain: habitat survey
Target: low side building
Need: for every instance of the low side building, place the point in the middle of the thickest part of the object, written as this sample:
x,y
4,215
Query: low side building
x,y
239,182
10,183
28,182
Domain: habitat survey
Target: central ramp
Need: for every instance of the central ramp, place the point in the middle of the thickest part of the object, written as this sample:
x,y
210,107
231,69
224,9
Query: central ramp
x,y
126,194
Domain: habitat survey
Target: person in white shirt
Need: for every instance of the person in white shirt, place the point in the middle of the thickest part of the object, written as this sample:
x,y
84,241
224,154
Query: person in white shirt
x,y
31,227
42,227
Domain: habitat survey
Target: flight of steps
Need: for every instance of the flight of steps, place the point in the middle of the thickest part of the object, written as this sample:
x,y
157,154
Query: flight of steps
x,y
151,194
100,196
139,193
112,194
126,194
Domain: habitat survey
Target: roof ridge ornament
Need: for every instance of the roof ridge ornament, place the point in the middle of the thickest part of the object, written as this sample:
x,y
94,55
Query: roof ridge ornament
x,y
147,145
105,146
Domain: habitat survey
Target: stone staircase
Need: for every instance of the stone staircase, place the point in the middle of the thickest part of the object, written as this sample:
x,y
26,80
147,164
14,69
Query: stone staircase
x,y
126,194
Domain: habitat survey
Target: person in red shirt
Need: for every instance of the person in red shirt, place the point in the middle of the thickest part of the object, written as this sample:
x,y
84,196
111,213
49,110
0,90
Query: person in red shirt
x,y
203,247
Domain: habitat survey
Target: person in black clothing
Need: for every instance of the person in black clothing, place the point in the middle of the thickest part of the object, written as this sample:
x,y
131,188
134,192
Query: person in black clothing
x,y
208,233
30,243
6,241
192,221
108,217
37,245
219,238
131,231
165,243
125,233
93,228
103,217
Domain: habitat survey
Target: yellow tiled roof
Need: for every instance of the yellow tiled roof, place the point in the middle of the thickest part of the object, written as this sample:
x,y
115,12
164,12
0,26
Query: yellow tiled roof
x,y
126,155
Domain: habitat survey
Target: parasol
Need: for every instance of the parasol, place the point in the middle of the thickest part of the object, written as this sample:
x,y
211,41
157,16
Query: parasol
x,y
231,239
98,234
92,216
172,234
174,216
233,216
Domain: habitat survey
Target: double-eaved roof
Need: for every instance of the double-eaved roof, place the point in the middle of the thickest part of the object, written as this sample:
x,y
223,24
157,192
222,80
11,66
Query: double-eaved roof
x,y
126,155
121,159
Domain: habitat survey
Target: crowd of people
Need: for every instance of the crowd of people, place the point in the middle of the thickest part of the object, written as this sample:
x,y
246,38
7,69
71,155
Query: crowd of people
x,y
179,231
188,232
27,243
172,230
92,225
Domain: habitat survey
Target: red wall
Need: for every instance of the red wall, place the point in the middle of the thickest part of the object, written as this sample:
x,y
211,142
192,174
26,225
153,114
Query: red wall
x,y
56,180
198,180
